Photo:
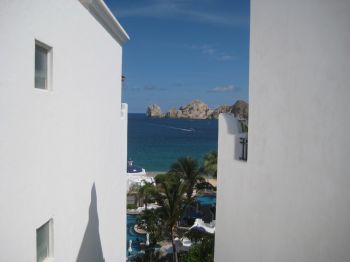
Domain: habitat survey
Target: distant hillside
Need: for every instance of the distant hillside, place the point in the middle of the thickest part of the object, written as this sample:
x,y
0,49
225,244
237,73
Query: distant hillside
x,y
200,110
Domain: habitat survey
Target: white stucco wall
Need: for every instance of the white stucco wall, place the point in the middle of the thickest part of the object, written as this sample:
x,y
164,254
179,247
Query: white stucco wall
x,y
55,145
290,201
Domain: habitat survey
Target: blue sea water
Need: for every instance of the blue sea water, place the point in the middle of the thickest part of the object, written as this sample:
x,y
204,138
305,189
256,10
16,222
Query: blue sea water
x,y
156,143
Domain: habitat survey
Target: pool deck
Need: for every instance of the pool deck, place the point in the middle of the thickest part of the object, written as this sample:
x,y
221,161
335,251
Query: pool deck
x,y
139,230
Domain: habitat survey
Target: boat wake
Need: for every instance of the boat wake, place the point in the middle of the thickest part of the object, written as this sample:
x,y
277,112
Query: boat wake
x,y
176,128
181,129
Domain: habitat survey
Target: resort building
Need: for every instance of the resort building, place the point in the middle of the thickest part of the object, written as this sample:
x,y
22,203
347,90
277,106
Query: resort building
x,y
63,137
289,201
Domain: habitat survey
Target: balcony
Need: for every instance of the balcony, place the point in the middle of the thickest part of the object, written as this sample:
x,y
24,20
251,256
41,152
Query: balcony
x,y
244,145
233,137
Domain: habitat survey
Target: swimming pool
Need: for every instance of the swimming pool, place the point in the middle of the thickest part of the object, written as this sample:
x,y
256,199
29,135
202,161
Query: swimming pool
x,y
207,200
132,235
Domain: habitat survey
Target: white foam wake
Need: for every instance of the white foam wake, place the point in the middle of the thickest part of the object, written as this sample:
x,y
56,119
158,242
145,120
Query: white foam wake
x,y
182,129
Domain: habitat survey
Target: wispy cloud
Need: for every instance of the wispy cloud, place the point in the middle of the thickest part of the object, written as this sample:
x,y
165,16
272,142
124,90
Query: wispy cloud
x,y
153,88
213,53
184,10
224,89
148,88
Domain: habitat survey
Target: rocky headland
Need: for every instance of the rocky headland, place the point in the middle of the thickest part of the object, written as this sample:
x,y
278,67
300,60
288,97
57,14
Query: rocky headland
x,y
200,110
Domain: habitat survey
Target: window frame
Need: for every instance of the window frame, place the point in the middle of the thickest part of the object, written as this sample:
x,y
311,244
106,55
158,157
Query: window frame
x,y
49,62
50,255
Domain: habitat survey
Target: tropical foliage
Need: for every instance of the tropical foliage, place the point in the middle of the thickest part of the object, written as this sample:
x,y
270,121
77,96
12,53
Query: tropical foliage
x,y
131,206
205,186
153,225
145,191
172,202
173,193
210,161
202,251
188,169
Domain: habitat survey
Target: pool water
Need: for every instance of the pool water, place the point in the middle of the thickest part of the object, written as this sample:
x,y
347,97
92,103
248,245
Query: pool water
x,y
132,235
207,200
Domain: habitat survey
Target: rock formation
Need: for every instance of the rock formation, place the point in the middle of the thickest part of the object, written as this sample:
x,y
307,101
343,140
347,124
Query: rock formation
x,y
194,110
199,110
221,109
240,109
154,111
172,113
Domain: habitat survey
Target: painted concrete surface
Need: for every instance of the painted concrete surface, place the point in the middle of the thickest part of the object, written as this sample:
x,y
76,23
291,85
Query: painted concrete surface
x,y
62,151
290,200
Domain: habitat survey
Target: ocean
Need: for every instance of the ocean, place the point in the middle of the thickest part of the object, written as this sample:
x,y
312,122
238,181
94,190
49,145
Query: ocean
x,y
156,143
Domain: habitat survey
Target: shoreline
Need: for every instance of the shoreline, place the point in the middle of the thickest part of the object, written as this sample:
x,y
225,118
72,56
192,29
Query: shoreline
x,y
154,173
211,180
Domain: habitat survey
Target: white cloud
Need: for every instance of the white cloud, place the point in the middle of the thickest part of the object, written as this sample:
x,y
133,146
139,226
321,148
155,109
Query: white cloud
x,y
213,53
185,10
148,88
153,88
224,89
225,57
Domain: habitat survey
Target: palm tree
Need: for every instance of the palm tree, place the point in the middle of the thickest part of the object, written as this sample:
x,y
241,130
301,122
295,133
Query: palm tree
x,y
187,168
173,204
210,164
153,226
134,190
146,190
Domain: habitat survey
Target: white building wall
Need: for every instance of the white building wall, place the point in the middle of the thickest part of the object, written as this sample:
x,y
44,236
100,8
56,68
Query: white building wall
x,y
290,201
56,145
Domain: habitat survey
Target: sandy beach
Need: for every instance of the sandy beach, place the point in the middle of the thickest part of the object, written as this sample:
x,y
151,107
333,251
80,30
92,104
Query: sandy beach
x,y
211,180
154,173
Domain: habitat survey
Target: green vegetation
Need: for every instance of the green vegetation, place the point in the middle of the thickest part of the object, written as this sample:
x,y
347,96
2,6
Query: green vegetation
x,y
205,186
173,206
173,192
145,191
244,125
153,225
202,251
187,169
210,164
131,206
169,192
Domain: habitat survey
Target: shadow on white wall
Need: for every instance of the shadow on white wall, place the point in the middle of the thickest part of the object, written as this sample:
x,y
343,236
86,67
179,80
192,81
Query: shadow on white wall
x,y
91,248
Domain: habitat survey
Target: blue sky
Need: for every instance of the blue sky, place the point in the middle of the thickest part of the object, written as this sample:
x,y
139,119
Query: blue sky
x,y
181,50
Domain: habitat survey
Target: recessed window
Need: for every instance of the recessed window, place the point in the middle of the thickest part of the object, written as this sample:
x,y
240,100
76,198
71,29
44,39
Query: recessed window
x,y
43,57
44,242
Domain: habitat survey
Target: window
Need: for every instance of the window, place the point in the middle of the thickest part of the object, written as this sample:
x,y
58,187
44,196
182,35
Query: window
x,y
44,242
43,57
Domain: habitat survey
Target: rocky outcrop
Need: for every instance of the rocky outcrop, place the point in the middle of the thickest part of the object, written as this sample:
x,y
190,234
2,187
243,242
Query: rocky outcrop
x,y
154,111
240,109
199,110
221,109
194,110
172,113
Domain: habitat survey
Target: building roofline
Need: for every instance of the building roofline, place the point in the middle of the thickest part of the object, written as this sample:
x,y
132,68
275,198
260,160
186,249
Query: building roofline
x,y
104,16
